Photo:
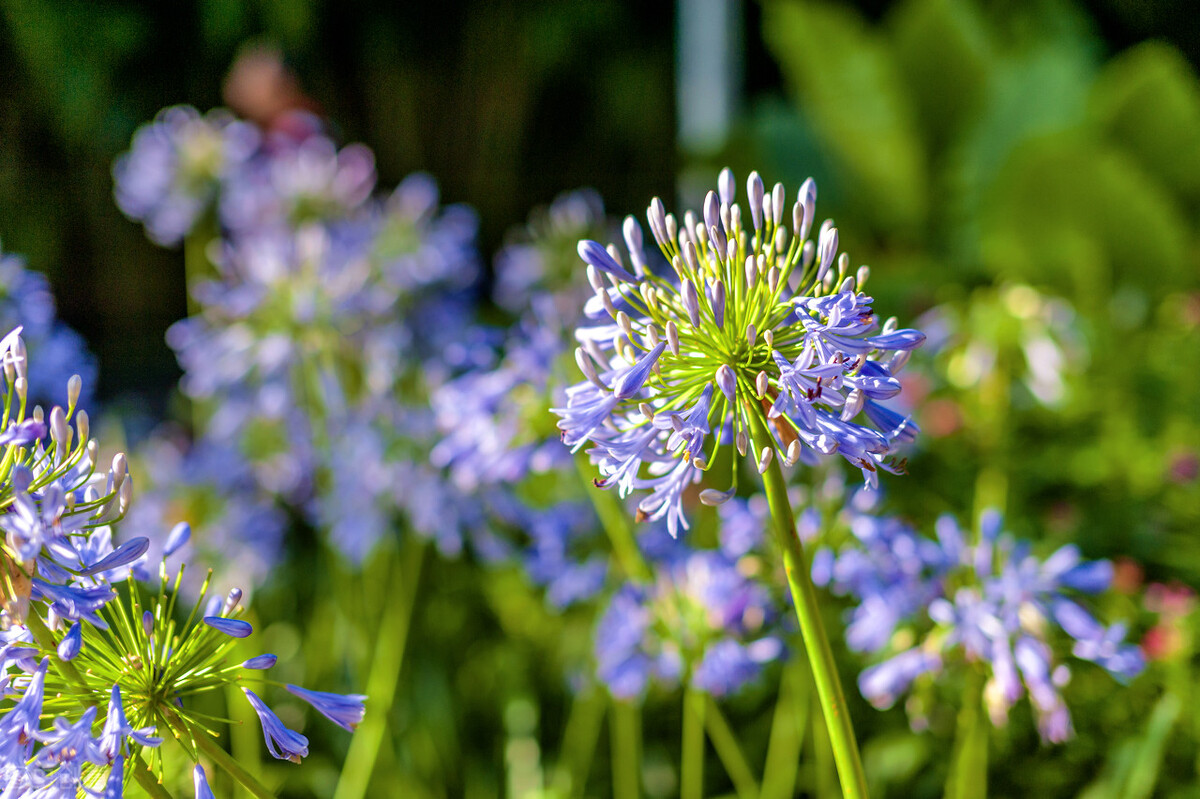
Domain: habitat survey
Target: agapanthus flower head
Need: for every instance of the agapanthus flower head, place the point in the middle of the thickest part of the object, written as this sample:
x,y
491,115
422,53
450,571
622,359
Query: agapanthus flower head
x,y
755,337
75,653
703,621
988,603
175,166
540,256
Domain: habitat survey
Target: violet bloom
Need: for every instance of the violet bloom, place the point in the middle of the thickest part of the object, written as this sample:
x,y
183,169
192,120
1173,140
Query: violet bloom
x,y
282,743
1008,612
702,620
755,330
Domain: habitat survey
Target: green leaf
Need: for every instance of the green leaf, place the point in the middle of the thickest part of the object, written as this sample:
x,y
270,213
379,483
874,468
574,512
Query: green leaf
x,y
845,80
1074,213
1148,100
942,48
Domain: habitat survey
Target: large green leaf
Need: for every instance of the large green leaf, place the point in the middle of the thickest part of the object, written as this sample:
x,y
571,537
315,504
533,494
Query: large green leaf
x,y
845,80
1075,213
1148,100
943,51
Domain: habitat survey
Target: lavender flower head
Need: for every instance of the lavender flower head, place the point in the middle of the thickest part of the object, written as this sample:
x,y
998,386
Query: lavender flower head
x,y
756,337
991,605
701,621
173,172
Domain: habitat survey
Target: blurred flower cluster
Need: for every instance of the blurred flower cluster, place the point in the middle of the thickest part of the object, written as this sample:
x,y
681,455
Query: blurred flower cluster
x,y
975,600
315,306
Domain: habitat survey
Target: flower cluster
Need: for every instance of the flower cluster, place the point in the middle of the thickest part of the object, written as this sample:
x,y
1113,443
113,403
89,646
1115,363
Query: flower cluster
x,y
173,172
756,336
320,302
703,621
73,648
26,301
992,604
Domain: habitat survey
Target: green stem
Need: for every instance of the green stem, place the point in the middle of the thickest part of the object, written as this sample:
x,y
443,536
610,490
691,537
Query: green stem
x,y
730,751
968,770
808,612
626,749
792,709
691,783
144,777
196,266
579,745
615,524
222,758
384,676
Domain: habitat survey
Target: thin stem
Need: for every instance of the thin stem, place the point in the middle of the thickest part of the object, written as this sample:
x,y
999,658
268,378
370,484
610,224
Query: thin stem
x,y
792,709
385,675
968,770
691,783
729,751
146,779
579,745
615,524
626,747
223,759
808,612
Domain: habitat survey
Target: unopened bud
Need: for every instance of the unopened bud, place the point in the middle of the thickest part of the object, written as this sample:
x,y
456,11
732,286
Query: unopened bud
x,y
594,278
764,459
74,388
21,386
82,424
625,324
231,601
587,367
126,493
673,337
711,496
742,442
646,410
861,276
769,337
760,383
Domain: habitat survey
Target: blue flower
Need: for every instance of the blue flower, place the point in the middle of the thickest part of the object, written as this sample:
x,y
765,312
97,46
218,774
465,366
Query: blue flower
x,y
283,744
234,628
344,710
200,783
702,620
175,164
1004,613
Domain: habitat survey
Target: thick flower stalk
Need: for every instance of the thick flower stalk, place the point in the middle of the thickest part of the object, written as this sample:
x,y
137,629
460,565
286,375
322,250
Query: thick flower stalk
x,y
755,337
